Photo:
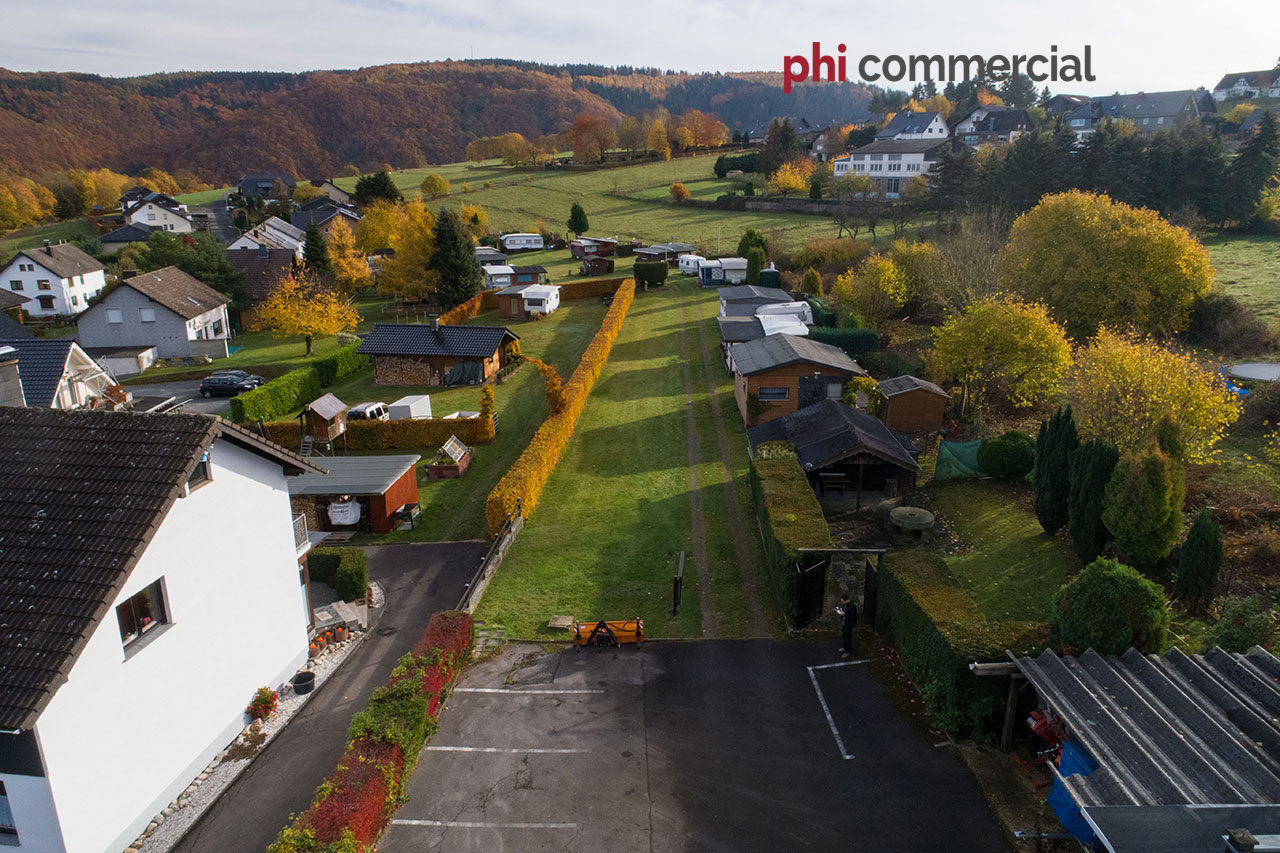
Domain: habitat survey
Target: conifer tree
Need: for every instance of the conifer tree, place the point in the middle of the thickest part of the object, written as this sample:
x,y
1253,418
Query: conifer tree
x,y
1091,467
454,261
577,220
1055,444
1199,562
315,252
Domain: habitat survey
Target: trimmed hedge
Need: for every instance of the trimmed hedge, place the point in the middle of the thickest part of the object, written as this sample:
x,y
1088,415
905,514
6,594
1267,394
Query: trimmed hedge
x,y
459,314
526,478
297,387
339,365
939,631
394,435
590,289
790,517
355,803
352,575
853,341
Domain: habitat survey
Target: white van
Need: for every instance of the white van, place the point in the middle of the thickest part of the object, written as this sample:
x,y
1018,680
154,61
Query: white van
x,y
368,412
688,264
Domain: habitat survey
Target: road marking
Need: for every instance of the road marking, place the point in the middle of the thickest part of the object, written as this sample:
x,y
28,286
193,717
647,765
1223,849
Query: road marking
x,y
517,692
841,663
475,824
813,676
503,750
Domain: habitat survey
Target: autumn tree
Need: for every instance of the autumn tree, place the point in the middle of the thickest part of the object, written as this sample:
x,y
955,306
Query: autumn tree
x,y
454,261
811,282
577,222
679,192
370,188
315,253
434,186
1004,354
591,136
1099,263
870,295
922,267
409,273
658,139
303,305
350,266
381,220
475,221
631,136
1055,444
1121,387
791,177
305,192
1142,505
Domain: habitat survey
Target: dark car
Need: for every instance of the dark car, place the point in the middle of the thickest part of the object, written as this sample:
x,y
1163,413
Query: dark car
x,y
225,386
242,375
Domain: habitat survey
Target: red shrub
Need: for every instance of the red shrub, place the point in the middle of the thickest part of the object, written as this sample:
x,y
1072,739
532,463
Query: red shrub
x,y
449,631
360,795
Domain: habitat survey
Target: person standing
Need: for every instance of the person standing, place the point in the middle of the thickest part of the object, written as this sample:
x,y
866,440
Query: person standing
x,y
848,613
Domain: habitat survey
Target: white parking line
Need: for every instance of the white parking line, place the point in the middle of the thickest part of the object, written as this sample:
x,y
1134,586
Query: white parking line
x,y
503,750
813,676
515,692
472,824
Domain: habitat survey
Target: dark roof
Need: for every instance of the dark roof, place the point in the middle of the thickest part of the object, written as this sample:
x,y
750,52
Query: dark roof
x,y
180,293
1137,106
1251,122
776,351
254,185
134,232
264,269
9,299
414,339
540,270
158,199
11,328
903,384
1257,79
748,292
905,122
41,365
736,330
320,214
83,494
902,146
63,259
354,475
829,432
1168,730
1003,120
1180,829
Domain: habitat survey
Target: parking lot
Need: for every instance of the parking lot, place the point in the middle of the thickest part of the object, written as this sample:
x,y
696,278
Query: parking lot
x,y
743,745
186,389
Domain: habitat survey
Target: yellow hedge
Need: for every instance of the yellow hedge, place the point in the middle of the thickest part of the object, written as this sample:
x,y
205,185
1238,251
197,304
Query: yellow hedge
x,y
526,478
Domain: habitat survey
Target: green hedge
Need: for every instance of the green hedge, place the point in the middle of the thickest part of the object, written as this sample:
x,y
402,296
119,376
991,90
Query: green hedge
x,y
790,517
822,315
339,365
853,341
292,391
939,631
346,568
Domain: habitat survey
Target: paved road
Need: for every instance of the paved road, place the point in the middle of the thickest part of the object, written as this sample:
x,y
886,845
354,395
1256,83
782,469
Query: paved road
x,y
713,745
220,223
419,580
186,389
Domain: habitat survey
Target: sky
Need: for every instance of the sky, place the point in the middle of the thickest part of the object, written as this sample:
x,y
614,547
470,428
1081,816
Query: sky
x,y
1136,46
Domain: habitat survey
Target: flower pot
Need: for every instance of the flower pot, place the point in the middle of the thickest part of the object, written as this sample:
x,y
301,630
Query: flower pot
x,y
340,634
304,682
319,641
315,650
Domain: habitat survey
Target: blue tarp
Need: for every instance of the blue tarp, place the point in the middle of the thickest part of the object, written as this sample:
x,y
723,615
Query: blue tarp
x,y
1075,761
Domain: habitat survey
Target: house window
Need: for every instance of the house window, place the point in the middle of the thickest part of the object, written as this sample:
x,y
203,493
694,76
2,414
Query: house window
x,y
147,315
75,300
1077,122
142,613
46,303
8,829
151,217
773,395
43,284
834,390
200,475
15,284
26,267
115,315
892,185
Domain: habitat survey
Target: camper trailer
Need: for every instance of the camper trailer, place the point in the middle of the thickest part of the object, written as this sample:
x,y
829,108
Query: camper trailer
x,y
688,264
410,408
521,242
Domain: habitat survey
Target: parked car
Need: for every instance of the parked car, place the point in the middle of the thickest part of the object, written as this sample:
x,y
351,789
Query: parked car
x,y
368,412
242,375
225,386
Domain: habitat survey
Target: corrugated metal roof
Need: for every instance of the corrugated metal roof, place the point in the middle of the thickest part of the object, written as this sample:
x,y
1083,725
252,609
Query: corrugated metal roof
x,y
780,350
902,384
1168,730
354,475
829,432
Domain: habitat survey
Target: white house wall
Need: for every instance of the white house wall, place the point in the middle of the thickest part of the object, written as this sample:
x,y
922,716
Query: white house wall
x,y
161,218
30,797
123,737
70,295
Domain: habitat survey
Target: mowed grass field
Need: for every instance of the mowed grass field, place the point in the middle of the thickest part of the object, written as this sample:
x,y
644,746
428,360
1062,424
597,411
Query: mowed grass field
x,y
629,201
27,238
1249,269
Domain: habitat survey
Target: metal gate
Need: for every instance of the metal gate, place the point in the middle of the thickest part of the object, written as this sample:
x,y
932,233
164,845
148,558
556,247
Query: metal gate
x,y
870,589
811,586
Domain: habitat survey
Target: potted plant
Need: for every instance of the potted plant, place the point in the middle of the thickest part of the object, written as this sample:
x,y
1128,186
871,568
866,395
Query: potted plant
x,y
263,704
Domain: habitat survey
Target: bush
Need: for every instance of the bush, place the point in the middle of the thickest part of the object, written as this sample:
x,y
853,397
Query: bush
x,y
1221,323
464,311
830,255
651,273
292,391
524,480
394,435
1109,607
679,192
1245,623
263,704
855,342
322,563
1008,457
1261,409
727,163
1199,562
590,289
1142,506
352,575
339,365
823,317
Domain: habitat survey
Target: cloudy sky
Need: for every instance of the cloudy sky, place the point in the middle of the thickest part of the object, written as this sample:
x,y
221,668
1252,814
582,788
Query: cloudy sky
x,y
1136,45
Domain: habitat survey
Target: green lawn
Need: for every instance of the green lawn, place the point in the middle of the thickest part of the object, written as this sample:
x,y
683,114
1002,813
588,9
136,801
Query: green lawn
x,y
28,238
1010,567
203,198
609,528
630,202
1249,269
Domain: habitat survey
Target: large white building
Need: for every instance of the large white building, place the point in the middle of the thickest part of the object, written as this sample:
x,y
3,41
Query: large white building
x,y
133,630
272,233
56,280
891,162
159,212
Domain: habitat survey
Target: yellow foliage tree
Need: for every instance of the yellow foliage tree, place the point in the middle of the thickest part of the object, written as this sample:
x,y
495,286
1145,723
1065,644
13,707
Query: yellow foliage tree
x,y
1097,262
8,209
1238,113
1122,386
658,139
350,267
679,192
382,219
922,266
304,306
941,103
409,274
872,294
434,186
792,177
304,192
987,98
475,221
1002,352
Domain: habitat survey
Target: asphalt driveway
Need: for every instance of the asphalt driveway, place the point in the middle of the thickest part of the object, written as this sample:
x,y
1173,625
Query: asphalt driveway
x,y
715,745
419,579
185,389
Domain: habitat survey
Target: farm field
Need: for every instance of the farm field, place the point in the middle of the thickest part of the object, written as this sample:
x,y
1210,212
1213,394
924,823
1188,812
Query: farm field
x,y
203,198
1249,269
623,503
27,238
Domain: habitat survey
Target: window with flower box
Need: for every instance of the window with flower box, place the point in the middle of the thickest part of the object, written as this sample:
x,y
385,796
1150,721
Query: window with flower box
x,y
142,614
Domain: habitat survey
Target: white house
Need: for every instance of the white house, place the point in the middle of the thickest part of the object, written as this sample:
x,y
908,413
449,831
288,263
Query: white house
x,y
159,212
891,162
127,660
1248,84
168,310
272,233
56,373
905,125
56,279
523,300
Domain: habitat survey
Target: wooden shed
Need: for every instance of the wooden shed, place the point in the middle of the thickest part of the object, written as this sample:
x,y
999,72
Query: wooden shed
x,y
593,265
778,374
913,405
380,486
414,354
325,418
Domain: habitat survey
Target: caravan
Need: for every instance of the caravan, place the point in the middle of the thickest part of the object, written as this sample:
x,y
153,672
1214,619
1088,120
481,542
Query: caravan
x,y
521,242
688,264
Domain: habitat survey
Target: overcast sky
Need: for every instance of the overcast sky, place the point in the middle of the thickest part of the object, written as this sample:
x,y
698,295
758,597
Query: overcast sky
x,y
1136,45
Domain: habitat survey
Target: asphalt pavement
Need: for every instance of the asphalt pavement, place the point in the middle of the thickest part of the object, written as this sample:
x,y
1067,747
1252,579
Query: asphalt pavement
x,y
185,389
419,580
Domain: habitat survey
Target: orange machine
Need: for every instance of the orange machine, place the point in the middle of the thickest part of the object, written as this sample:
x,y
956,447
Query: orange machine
x,y
608,633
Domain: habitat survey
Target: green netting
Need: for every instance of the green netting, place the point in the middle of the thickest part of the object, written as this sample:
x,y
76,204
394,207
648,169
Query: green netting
x,y
957,460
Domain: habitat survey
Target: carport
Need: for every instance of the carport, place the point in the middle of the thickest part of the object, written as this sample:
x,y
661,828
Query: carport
x,y
379,486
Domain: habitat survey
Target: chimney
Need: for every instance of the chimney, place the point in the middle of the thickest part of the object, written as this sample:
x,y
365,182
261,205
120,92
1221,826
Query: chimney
x,y
48,248
435,323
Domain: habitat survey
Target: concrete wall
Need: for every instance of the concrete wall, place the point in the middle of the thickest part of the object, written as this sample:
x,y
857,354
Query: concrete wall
x,y
126,734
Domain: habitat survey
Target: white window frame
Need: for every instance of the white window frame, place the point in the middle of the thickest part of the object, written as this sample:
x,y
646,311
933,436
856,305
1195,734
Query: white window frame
x,y
115,315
